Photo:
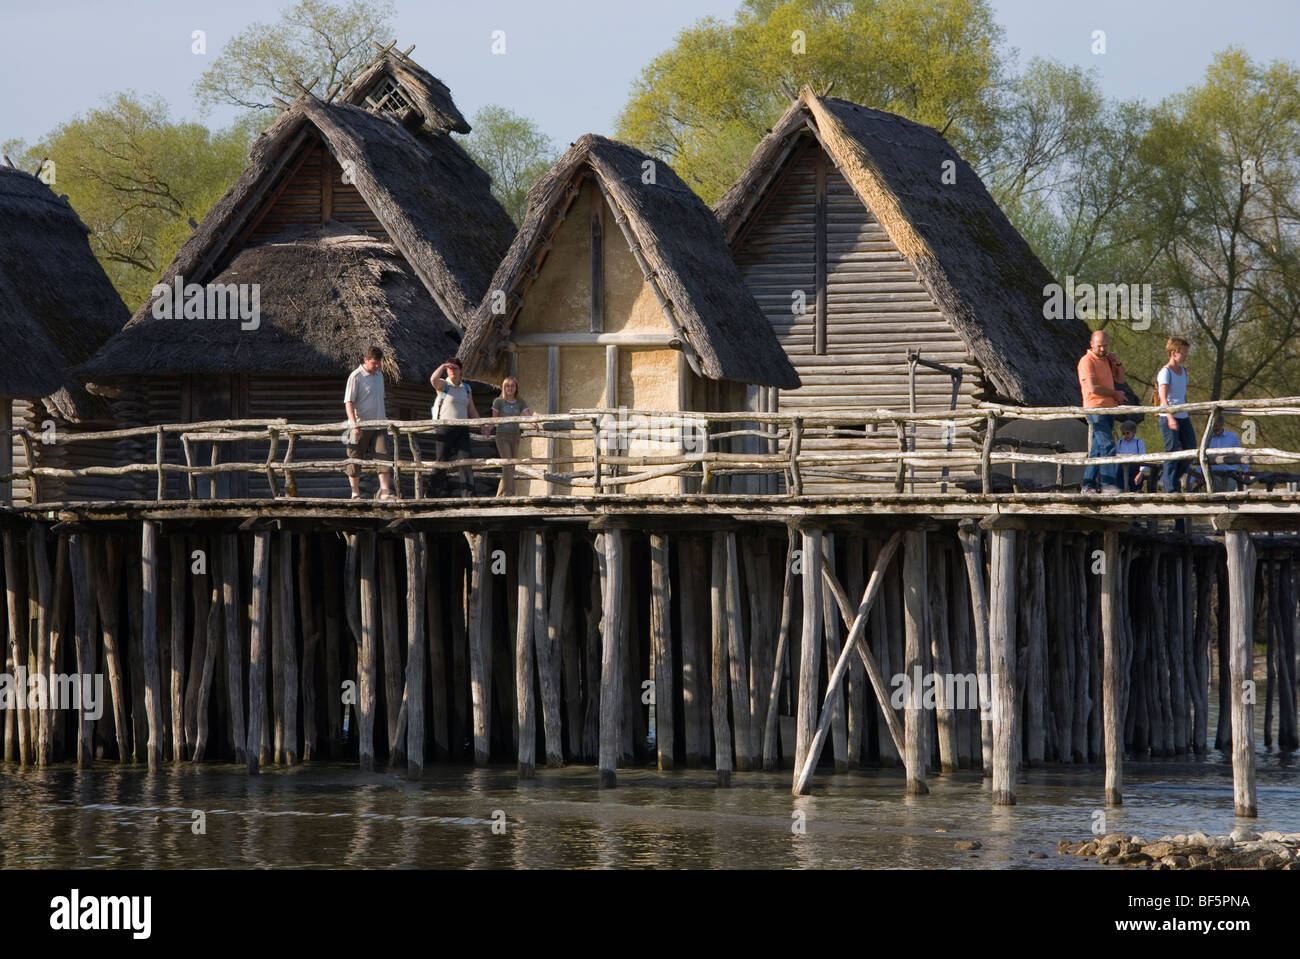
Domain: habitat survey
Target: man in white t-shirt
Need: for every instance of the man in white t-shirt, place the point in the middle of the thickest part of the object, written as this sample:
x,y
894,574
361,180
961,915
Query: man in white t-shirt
x,y
363,399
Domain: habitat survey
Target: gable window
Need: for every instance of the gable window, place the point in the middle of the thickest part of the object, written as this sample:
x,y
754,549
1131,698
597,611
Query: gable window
x,y
387,97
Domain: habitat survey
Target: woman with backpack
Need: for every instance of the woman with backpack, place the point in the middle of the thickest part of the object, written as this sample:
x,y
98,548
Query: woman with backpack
x,y
1175,428
455,402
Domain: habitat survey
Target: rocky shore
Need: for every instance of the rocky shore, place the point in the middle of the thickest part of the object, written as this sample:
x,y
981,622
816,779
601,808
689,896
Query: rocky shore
x,y
1242,849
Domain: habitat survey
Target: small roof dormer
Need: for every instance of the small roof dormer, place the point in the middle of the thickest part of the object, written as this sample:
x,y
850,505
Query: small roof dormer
x,y
395,84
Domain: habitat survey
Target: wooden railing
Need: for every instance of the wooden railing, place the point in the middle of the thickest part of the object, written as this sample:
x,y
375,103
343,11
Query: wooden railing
x,y
704,447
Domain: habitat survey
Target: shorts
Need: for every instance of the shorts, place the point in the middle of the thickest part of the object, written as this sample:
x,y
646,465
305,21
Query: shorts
x,y
368,442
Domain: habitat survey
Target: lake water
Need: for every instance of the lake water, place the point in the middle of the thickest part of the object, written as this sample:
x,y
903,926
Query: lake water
x,y
328,815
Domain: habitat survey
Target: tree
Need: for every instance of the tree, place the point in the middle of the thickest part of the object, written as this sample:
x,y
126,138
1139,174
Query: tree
x,y
312,39
137,180
1224,204
515,153
704,103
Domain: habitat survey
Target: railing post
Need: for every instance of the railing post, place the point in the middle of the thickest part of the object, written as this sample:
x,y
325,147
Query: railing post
x,y
796,445
419,465
595,453
159,446
30,454
1201,455
397,459
270,458
189,464
986,455
901,473
289,488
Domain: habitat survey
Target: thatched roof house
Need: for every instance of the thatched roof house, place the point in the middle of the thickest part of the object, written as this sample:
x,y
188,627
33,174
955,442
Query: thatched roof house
x,y
897,246
356,221
619,291
56,307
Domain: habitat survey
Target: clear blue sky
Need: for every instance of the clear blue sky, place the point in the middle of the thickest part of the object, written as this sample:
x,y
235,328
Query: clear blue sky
x,y
569,63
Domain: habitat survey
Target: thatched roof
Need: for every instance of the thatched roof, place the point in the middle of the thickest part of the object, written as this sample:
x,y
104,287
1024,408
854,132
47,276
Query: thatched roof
x,y
719,321
325,294
432,199
56,303
425,92
979,269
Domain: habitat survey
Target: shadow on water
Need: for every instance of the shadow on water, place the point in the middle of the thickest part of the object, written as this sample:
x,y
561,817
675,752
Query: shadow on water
x,y
332,816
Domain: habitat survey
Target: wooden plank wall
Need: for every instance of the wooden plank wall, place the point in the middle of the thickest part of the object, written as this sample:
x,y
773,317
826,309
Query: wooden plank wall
x,y
876,308
316,193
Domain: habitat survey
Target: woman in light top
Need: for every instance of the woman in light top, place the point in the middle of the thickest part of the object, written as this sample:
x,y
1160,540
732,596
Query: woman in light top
x,y
455,402
509,403
1175,428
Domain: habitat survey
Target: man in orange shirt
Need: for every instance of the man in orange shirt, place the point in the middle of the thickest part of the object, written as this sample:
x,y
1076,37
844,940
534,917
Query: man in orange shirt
x,y
1099,372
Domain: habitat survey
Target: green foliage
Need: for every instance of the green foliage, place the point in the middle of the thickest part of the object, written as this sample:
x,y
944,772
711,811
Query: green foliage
x,y
136,179
312,39
703,104
514,151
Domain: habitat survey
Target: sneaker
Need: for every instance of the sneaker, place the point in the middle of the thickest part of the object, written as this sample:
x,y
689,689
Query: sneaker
x,y
1110,490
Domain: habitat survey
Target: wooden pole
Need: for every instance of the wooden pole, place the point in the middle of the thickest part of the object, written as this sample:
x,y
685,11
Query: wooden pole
x,y
17,647
612,665
831,634
391,631
1241,583
969,534
722,746
856,680
916,744
311,625
366,654
809,647
562,624
1035,652
857,629
662,643
1112,730
738,661
1002,663
44,620
212,636
437,656
149,637
178,570
690,565
257,642
234,645
524,656
941,656
546,643
771,726
106,595
480,649
78,560
415,580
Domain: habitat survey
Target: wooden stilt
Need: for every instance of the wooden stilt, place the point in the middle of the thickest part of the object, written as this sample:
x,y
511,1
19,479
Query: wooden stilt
x,y
690,565
135,654
392,653
737,659
1110,612
462,729
722,743
149,640
230,616
212,640
79,558
662,643
771,730
437,657
562,625
257,643
831,635
941,655
890,750
1002,664
107,585
546,643
854,643
310,645
758,577
855,681
809,648
332,594
58,636
1036,653
414,696
916,723
479,628
613,649
526,716
591,656
1241,582
366,655
44,622
177,572
16,720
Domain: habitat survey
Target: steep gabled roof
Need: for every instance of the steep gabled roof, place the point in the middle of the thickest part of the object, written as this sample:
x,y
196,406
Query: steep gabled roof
x,y
56,303
425,92
432,199
718,320
976,266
